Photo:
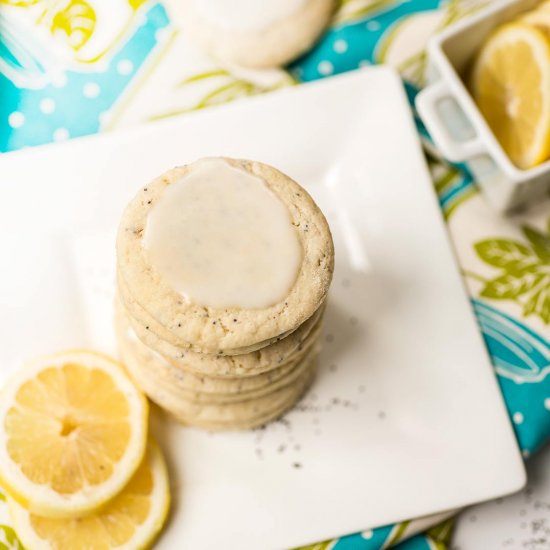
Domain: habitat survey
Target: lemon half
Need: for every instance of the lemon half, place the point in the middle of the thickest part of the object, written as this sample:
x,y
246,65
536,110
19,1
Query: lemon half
x,y
511,85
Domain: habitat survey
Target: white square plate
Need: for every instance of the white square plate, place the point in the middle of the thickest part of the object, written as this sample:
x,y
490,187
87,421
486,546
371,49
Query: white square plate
x,y
405,418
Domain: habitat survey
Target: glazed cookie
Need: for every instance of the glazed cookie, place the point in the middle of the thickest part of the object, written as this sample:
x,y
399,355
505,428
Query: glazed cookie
x,y
142,317
224,255
244,365
251,33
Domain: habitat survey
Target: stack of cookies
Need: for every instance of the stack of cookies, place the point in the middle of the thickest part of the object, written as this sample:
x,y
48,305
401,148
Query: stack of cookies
x,y
223,267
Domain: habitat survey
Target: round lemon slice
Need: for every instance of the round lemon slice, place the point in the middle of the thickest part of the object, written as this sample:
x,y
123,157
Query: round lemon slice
x,y
131,521
511,85
73,430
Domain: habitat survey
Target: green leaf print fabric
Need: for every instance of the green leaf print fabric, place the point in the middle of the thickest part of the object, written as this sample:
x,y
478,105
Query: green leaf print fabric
x,y
78,67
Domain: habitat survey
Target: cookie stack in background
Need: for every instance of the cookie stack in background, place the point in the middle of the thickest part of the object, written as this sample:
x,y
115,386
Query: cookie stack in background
x,y
223,267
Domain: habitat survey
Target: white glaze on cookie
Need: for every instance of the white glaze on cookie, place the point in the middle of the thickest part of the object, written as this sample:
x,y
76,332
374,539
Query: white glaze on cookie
x,y
221,238
246,14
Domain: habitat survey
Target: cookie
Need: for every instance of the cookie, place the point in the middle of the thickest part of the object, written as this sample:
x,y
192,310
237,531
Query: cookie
x,y
234,415
154,374
140,316
251,33
157,371
248,364
226,330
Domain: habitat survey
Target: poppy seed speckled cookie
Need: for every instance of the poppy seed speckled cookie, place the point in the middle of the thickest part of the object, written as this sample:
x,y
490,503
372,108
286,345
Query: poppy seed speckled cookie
x,y
148,323
248,247
199,387
238,415
154,372
243,365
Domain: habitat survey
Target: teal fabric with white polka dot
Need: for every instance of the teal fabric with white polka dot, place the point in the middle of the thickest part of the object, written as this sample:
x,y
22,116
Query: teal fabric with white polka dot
x,y
48,103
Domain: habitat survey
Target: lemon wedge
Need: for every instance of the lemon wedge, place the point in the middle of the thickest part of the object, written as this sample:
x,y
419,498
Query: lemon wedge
x,y
73,430
130,521
511,85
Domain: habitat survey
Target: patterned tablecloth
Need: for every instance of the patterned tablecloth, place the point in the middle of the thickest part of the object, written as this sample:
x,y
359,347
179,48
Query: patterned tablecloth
x,y
74,67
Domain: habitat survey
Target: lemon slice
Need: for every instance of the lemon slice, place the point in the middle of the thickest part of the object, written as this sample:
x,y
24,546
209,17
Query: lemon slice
x,y
511,85
130,521
73,430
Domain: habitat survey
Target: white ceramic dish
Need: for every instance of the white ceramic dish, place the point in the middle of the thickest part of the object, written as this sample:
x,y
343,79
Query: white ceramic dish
x,y
456,124
405,418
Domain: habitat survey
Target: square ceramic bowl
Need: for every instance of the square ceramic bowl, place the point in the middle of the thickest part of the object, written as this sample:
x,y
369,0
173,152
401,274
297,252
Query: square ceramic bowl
x,y
456,125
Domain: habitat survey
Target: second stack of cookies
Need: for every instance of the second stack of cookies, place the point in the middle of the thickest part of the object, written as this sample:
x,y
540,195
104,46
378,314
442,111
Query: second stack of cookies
x,y
223,270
